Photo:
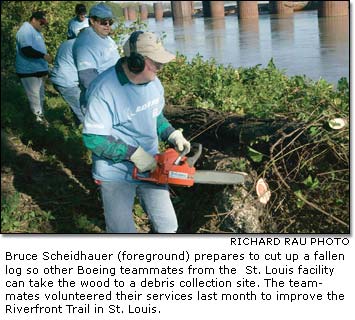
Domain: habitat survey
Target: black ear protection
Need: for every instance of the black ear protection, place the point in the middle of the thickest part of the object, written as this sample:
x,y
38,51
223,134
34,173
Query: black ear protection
x,y
135,61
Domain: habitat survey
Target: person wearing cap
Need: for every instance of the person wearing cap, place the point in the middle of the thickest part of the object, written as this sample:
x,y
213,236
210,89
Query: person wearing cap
x,y
32,61
94,50
79,22
123,125
64,77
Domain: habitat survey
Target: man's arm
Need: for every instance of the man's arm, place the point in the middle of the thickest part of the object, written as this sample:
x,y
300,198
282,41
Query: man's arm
x,y
164,128
29,52
108,147
71,34
84,59
87,76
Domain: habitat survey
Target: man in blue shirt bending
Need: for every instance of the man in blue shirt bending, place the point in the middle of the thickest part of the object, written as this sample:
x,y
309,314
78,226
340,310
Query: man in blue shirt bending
x,y
123,125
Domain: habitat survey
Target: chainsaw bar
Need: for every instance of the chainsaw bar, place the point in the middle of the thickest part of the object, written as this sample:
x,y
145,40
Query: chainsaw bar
x,y
215,177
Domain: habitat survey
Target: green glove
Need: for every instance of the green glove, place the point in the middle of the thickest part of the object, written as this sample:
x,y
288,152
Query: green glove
x,y
143,160
179,141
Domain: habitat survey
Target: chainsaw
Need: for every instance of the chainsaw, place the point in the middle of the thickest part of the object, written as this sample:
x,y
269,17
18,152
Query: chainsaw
x,y
177,169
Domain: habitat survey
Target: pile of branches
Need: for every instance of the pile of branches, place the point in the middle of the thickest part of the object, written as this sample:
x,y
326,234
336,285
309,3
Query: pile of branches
x,y
305,163
308,173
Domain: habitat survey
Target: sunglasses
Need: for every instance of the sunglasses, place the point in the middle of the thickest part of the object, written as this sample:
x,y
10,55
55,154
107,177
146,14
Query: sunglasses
x,y
105,22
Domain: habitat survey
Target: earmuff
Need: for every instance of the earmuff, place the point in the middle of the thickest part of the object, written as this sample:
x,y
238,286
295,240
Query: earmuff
x,y
135,61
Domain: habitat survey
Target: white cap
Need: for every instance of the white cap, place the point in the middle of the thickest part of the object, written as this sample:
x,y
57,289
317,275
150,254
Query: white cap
x,y
149,45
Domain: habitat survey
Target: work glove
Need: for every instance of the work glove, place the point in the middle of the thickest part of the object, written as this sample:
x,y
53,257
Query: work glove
x,y
143,160
178,140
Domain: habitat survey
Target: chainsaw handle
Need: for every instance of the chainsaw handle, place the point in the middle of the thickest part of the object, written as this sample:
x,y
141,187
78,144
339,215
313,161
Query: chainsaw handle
x,y
192,160
137,177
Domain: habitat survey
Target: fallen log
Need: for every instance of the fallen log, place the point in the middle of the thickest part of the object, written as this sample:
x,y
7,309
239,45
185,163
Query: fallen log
x,y
219,130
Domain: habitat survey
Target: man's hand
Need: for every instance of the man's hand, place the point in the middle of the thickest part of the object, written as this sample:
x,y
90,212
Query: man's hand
x,y
143,160
178,140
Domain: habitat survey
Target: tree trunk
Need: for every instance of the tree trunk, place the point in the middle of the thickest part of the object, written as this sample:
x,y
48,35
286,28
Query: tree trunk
x,y
223,131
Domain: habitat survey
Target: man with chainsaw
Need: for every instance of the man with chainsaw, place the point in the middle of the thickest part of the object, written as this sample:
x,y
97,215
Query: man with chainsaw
x,y
123,125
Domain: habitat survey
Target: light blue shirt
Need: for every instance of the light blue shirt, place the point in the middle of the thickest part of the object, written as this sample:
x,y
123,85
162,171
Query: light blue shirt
x,y
91,51
74,26
28,36
64,72
128,112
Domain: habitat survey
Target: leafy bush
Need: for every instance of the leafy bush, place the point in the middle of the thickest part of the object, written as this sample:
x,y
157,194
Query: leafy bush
x,y
255,91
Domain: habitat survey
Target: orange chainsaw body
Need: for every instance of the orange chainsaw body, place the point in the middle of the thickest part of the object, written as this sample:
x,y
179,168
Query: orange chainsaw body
x,y
167,172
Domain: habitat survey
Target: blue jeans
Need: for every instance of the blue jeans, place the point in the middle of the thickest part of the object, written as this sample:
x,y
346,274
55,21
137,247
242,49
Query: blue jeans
x,y
34,87
72,96
118,199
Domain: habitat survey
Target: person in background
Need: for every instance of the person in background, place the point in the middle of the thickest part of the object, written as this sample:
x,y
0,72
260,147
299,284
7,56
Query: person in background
x,y
79,22
123,125
32,61
64,77
94,50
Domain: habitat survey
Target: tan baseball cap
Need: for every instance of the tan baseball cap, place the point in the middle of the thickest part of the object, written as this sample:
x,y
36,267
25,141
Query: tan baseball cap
x,y
149,45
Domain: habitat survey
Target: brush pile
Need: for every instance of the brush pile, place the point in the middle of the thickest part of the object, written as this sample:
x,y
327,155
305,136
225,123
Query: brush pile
x,y
305,164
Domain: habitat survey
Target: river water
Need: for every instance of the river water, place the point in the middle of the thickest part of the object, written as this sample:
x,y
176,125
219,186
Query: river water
x,y
301,44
